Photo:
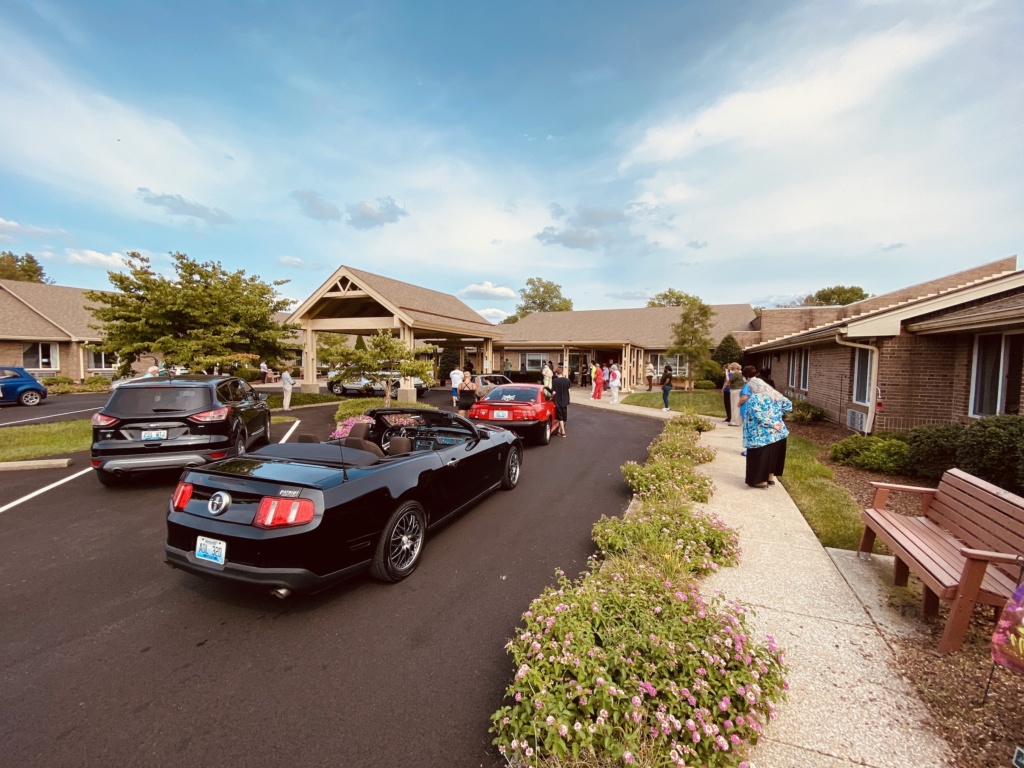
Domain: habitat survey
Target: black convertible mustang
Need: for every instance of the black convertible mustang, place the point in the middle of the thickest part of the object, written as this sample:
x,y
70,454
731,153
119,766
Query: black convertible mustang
x,y
301,516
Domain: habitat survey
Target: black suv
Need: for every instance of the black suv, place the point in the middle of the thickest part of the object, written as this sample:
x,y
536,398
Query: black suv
x,y
177,422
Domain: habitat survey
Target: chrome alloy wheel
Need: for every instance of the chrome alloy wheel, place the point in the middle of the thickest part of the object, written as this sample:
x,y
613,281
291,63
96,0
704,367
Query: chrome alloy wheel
x,y
406,541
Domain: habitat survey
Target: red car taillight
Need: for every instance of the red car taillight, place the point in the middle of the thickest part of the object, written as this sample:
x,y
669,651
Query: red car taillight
x,y
182,494
276,512
102,420
217,414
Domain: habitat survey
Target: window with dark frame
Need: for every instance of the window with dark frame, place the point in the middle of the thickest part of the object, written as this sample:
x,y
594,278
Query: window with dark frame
x,y
861,375
996,378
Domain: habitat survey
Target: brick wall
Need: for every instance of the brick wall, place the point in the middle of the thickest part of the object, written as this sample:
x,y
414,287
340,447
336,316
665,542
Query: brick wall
x,y
776,323
923,380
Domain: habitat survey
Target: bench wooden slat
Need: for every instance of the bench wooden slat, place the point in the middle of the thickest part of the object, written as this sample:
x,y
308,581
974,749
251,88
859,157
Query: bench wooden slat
x,y
964,512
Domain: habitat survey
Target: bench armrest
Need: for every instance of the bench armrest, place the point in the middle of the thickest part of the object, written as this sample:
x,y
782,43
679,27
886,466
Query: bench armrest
x,y
992,557
882,494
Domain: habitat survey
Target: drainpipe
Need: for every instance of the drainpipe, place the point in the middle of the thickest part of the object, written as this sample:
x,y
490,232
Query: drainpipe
x,y
872,380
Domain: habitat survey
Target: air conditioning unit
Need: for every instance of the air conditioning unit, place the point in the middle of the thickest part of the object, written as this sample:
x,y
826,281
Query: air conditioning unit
x,y
855,419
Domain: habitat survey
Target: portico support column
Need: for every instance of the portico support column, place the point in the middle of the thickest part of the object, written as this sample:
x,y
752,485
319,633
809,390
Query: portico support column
x,y
309,384
406,390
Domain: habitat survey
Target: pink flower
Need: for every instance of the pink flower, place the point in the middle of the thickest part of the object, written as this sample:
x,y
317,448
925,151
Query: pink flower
x,y
627,756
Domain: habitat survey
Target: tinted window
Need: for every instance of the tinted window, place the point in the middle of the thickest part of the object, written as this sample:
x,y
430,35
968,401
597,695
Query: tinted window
x,y
136,401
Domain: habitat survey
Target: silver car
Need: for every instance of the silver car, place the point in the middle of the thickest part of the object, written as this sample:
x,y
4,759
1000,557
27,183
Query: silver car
x,y
338,385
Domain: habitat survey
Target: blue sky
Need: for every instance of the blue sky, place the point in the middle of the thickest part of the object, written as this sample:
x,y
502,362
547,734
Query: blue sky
x,y
739,151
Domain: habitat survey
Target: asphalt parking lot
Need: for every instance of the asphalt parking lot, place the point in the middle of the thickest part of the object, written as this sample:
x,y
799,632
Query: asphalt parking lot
x,y
111,658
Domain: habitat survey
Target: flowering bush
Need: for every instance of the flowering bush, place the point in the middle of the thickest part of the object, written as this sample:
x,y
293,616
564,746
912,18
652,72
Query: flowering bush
x,y
621,664
345,427
667,480
679,538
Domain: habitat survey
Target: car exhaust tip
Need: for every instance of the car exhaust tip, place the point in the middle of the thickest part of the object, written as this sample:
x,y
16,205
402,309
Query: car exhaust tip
x,y
281,592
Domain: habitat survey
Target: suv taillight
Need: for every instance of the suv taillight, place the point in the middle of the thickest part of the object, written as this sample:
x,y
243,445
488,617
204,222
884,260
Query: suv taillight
x,y
277,512
182,494
217,414
102,420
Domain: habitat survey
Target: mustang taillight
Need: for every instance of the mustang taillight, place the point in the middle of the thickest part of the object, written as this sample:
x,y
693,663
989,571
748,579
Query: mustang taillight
x,y
217,414
102,420
182,494
277,512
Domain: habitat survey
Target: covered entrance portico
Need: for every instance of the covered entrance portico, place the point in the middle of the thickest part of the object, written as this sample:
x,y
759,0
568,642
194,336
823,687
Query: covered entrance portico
x,y
355,302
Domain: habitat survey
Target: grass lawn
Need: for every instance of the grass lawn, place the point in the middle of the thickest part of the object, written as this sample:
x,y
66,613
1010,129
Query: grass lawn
x,y
832,514
37,441
705,402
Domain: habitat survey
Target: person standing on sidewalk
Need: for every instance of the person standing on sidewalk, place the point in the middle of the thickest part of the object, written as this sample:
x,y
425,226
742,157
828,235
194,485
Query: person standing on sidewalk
x,y
615,382
562,386
598,383
264,370
735,387
764,434
666,385
649,375
546,374
456,376
287,382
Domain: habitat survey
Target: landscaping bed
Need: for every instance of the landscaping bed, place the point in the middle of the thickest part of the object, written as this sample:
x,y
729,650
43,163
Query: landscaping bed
x,y
980,735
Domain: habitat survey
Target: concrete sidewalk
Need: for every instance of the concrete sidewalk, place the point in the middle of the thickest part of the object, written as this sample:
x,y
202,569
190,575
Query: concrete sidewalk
x,y
848,702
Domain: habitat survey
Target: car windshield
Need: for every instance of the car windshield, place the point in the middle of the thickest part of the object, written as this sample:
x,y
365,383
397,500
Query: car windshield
x,y
138,401
512,395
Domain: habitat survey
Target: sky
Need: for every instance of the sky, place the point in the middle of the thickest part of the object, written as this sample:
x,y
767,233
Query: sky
x,y
744,152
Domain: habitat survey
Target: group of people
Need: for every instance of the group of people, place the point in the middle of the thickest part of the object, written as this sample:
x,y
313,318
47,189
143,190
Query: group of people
x,y
752,402
607,377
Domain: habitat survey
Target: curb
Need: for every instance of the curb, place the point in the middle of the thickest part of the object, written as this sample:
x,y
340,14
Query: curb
x,y
10,466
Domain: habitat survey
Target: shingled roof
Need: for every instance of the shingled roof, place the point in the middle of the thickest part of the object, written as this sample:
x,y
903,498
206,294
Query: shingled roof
x,y
645,327
41,312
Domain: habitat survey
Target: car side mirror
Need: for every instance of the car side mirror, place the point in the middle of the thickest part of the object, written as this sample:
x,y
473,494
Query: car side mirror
x,y
261,395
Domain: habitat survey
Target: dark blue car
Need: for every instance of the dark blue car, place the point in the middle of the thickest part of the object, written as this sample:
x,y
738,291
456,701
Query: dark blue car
x,y
19,386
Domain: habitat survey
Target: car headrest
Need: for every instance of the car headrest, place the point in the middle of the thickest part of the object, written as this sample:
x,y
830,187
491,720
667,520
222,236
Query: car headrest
x,y
360,429
305,437
363,445
399,445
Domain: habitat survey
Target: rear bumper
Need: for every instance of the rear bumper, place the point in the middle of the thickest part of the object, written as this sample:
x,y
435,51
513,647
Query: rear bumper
x,y
129,464
511,426
295,579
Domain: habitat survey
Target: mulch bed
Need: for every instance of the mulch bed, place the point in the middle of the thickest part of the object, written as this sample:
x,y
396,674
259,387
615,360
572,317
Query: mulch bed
x,y
980,735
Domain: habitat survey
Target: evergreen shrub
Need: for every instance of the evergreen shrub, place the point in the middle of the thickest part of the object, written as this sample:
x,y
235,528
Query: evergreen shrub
x,y
933,449
804,412
704,384
992,449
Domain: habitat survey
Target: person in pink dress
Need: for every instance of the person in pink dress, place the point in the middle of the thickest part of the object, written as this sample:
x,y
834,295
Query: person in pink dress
x,y
598,383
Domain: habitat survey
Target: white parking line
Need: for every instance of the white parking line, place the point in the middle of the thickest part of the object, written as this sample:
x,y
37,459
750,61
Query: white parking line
x,y
51,486
289,432
49,416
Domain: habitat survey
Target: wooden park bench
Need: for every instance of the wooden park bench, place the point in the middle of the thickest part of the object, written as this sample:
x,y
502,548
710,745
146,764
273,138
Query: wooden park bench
x,y
966,525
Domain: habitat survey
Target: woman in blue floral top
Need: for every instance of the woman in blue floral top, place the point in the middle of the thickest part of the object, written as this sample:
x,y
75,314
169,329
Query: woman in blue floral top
x,y
765,433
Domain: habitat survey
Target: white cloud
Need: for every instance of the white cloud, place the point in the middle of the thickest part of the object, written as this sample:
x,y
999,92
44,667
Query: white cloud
x,y
294,262
87,258
486,290
493,315
12,229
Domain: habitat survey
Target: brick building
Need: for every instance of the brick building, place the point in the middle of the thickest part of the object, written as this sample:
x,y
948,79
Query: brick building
x,y
948,350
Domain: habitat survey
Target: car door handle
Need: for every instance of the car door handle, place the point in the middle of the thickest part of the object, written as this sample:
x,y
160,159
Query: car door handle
x,y
453,463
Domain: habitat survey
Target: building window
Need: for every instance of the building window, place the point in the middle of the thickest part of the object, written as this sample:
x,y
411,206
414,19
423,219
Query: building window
x,y
792,358
861,375
996,382
673,360
99,359
805,367
41,356
534,361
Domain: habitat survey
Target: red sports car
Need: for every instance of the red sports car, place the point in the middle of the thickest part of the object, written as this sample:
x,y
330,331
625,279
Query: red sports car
x,y
526,409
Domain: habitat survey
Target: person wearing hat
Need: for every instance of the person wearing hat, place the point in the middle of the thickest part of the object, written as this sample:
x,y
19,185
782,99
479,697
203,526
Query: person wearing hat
x,y
614,382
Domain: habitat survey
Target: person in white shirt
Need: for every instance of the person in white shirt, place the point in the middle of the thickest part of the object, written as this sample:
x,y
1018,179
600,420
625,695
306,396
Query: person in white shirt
x,y
456,376
287,382
615,382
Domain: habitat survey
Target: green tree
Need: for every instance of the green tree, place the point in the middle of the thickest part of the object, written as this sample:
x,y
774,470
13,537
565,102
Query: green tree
x,y
692,334
360,342
24,268
449,359
837,295
332,349
670,297
728,351
203,316
385,353
540,296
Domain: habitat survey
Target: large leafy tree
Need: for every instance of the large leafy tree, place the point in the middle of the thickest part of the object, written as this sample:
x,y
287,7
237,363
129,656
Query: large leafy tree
x,y
833,296
539,295
727,351
670,297
692,334
25,268
204,315
332,349
385,353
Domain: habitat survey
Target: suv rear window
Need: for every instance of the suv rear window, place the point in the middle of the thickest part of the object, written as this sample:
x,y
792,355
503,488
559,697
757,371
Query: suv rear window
x,y
132,401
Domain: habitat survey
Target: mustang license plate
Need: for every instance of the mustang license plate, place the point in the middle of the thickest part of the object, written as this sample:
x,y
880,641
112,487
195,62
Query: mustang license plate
x,y
154,434
501,414
211,550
